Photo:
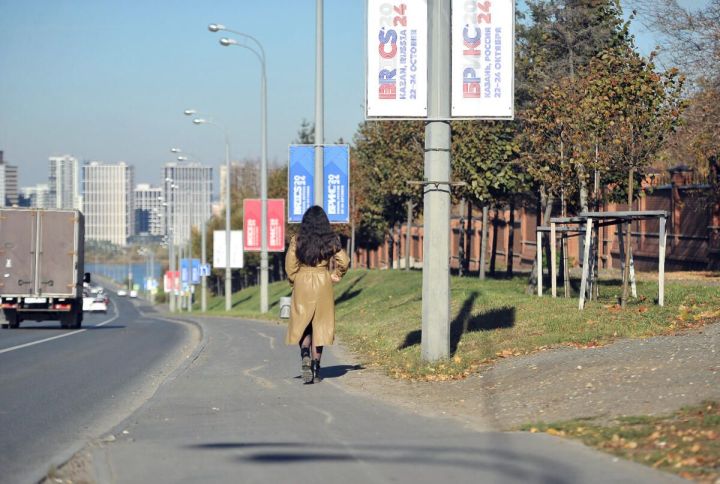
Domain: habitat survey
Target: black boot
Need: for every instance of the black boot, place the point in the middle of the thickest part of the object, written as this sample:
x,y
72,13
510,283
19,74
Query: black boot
x,y
316,371
306,366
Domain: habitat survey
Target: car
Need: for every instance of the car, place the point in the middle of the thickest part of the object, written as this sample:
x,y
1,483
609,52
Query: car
x,y
122,292
133,293
94,304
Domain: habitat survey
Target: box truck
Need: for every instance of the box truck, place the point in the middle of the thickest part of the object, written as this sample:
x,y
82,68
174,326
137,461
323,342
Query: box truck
x,y
42,266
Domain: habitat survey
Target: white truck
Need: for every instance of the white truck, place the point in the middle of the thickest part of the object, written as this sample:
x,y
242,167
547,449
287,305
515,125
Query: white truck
x,y
42,266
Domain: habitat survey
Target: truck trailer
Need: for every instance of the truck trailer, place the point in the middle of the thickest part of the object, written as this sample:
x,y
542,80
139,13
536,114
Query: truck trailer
x,y
42,266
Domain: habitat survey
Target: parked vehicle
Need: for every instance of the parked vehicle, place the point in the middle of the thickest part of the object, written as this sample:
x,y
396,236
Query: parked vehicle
x,y
42,266
133,293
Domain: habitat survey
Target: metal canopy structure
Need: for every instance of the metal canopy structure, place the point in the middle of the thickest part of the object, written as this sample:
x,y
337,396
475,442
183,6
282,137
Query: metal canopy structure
x,y
586,222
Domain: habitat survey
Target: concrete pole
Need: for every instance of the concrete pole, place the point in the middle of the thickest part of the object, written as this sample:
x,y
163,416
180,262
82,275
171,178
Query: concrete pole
x,y
319,104
152,273
190,286
228,270
435,341
203,249
263,197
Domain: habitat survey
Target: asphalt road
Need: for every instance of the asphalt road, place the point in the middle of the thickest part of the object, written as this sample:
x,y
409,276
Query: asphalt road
x,y
238,412
60,388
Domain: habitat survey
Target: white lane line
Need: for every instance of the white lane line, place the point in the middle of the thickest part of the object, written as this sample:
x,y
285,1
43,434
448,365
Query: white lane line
x,y
33,343
271,338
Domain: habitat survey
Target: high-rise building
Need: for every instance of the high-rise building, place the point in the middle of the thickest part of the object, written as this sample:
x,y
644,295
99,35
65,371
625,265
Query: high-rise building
x,y
187,192
38,196
64,182
8,183
149,210
108,202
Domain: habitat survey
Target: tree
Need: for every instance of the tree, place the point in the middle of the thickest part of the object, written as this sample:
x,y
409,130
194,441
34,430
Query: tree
x,y
386,154
691,37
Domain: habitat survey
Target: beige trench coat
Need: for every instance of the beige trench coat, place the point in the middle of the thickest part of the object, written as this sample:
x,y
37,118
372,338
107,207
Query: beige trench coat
x,y
312,297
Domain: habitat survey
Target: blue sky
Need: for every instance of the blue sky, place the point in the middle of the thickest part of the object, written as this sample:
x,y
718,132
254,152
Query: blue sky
x,y
107,80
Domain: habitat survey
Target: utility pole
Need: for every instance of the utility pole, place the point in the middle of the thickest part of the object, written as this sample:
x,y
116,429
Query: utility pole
x,y
319,104
435,342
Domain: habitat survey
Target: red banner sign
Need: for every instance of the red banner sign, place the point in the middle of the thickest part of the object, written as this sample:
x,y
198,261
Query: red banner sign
x,y
252,210
171,281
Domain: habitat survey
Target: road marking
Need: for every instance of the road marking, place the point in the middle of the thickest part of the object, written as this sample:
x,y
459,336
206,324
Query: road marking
x,y
328,416
271,338
33,343
263,382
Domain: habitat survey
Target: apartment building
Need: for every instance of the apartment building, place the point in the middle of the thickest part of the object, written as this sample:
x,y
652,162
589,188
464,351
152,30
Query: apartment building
x,y
64,182
108,202
187,190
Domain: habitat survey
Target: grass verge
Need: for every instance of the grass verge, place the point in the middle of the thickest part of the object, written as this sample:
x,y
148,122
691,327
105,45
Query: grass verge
x,y
686,442
379,316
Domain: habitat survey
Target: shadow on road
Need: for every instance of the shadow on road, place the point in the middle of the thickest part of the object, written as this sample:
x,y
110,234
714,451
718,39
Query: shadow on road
x,y
495,464
336,371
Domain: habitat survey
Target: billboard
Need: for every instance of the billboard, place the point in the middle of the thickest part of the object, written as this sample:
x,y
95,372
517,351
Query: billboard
x,y
236,249
190,271
171,281
397,59
301,179
336,182
482,59
252,210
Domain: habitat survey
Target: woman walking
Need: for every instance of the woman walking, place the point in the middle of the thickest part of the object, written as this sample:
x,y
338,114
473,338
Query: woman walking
x,y
312,312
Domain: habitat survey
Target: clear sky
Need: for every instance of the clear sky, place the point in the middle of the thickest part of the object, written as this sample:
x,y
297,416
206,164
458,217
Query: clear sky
x,y
108,80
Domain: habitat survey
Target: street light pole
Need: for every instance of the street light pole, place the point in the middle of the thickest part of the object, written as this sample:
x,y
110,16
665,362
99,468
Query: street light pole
x,y
228,271
260,54
203,228
319,105
171,240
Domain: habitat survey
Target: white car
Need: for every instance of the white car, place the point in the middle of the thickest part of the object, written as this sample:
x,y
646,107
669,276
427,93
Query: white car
x,y
94,304
133,293
122,292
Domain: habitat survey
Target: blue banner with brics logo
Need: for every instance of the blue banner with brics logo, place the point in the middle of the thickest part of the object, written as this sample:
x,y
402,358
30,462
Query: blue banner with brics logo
x,y
336,182
301,168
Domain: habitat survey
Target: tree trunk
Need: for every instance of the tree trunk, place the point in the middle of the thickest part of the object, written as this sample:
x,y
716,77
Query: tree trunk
x,y
352,242
493,255
628,246
483,242
468,237
511,240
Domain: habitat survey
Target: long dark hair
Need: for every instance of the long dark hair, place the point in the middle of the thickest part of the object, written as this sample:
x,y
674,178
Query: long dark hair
x,y
316,241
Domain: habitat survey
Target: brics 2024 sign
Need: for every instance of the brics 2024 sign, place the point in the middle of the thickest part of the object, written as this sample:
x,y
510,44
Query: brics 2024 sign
x,y
336,182
252,216
482,56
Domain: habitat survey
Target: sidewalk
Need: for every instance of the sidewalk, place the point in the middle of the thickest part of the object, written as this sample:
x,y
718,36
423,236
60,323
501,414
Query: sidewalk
x,y
651,376
238,412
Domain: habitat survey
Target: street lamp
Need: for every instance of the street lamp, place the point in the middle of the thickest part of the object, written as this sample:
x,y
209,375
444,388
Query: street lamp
x,y
169,219
260,54
228,271
203,233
